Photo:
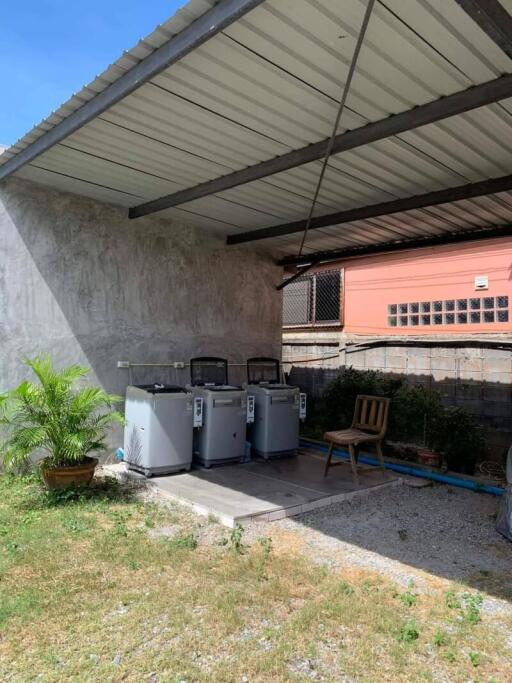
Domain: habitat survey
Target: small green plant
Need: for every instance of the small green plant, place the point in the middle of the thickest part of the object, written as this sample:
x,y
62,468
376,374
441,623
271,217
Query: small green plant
x,y
472,606
450,655
408,632
76,525
474,658
440,638
469,605
266,546
408,598
451,600
236,539
367,585
120,519
183,542
55,417
265,543
12,547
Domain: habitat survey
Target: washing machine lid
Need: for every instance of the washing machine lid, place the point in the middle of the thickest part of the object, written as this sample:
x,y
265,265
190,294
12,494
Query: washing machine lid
x,y
161,388
263,371
276,387
208,371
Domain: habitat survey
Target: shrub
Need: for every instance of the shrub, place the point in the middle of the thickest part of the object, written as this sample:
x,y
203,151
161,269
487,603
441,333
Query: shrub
x,y
417,415
408,632
460,439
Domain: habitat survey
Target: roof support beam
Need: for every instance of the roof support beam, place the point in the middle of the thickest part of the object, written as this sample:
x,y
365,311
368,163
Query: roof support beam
x,y
418,201
206,26
492,18
402,245
458,103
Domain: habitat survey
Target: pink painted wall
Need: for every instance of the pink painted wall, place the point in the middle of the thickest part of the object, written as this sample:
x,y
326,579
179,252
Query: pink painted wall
x,y
423,275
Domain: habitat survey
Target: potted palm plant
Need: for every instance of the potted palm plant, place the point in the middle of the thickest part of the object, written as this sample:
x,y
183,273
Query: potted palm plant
x,y
57,417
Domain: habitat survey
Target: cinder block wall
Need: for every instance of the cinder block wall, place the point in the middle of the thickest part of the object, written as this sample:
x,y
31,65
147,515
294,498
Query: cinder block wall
x,y
81,281
476,378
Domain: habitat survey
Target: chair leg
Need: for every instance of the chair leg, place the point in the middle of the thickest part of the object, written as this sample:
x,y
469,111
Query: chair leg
x,y
329,458
378,447
356,453
353,464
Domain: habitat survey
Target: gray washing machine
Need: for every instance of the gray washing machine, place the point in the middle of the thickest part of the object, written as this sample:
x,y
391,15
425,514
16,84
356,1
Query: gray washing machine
x,y
275,431
221,439
158,432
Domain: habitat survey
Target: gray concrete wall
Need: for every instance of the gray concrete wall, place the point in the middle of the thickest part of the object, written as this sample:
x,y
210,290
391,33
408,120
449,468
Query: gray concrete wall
x,y
81,281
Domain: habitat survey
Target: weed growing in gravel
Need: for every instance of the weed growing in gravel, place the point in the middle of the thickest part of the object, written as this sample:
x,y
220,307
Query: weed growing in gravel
x,y
450,656
408,598
451,600
75,524
408,632
236,539
472,606
183,542
474,658
440,638
265,543
468,604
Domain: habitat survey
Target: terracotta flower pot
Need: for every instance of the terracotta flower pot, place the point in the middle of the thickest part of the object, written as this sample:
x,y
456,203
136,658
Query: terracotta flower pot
x,y
428,457
74,475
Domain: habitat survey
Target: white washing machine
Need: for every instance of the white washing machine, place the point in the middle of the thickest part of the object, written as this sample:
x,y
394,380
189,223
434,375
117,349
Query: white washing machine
x,y
159,430
221,438
278,409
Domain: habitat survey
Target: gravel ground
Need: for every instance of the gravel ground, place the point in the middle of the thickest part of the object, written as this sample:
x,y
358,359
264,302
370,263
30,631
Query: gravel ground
x,y
405,533
433,535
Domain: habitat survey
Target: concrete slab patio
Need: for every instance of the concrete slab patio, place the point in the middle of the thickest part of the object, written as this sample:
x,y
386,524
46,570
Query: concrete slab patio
x,y
265,490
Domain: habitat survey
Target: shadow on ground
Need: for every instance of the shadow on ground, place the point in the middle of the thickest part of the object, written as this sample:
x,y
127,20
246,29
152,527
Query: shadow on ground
x,y
448,532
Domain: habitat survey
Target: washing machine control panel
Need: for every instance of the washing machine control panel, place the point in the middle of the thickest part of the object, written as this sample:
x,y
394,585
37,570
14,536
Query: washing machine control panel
x,y
198,411
250,409
302,406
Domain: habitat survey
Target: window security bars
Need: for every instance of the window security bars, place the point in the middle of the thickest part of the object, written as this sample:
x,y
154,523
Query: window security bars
x,y
313,300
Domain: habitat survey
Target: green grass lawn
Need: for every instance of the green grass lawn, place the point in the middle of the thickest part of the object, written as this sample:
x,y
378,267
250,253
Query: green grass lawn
x,y
90,592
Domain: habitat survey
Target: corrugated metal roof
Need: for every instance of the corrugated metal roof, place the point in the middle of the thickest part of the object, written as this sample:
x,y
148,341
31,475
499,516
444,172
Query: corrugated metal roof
x,y
270,83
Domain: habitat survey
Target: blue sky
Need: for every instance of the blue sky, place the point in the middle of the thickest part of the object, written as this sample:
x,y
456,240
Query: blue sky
x,y
51,48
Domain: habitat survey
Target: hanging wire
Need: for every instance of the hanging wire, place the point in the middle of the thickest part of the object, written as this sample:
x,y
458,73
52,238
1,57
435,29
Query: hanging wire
x,y
344,96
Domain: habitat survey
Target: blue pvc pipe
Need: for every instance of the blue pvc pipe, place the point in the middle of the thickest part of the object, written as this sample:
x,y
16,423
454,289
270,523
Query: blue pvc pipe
x,y
411,470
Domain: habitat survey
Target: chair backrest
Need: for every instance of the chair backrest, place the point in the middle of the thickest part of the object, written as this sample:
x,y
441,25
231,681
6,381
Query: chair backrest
x,y
371,414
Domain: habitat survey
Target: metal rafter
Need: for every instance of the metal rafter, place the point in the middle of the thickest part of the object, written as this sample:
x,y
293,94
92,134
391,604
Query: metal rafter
x,y
450,105
418,201
493,18
206,26
312,259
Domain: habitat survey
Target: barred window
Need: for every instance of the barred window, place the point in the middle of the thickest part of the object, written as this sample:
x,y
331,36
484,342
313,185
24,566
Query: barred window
x,y
474,310
313,300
